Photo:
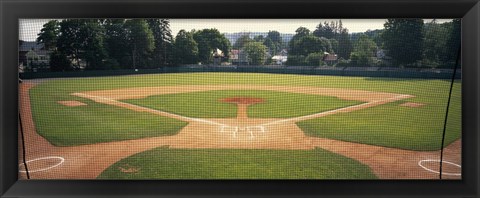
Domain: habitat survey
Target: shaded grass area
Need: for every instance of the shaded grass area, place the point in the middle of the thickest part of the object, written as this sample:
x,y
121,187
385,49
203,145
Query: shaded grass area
x,y
165,163
386,125
207,104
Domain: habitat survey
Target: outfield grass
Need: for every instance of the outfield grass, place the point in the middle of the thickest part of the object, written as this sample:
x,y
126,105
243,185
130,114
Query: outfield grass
x,y
276,105
386,125
164,163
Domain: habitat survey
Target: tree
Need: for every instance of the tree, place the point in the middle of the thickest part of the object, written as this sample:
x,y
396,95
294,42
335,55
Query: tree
x,y
186,49
92,38
140,39
314,59
301,32
82,40
375,36
209,40
274,42
326,30
337,35
163,41
59,62
272,47
330,30
454,41
364,51
274,36
242,41
116,43
294,47
441,43
403,38
344,45
435,44
302,44
259,38
48,35
256,53
70,42
334,43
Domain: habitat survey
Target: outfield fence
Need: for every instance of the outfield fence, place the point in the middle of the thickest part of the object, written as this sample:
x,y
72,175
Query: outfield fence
x,y
305,70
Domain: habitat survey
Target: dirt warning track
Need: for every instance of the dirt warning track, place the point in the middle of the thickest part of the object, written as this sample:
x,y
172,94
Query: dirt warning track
x,y
88,161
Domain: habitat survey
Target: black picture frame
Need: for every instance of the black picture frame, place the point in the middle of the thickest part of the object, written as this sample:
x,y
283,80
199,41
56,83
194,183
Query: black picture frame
x,y
11,11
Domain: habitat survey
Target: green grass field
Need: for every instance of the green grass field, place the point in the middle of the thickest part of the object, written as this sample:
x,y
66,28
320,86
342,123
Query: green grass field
x,y
385,125
164,163
95,122
276,105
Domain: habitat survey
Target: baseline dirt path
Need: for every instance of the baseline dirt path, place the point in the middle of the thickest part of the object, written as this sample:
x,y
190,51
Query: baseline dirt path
x,y
88,161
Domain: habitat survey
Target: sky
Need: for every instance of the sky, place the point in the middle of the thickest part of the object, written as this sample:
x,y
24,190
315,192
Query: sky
x,y
29,28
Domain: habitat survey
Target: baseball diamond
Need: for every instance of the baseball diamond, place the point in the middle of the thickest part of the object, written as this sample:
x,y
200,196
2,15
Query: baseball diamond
x,y
239,126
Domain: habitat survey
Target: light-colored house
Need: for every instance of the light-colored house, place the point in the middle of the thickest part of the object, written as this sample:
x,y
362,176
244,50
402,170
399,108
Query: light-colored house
x,y
217,56
382,54
279,59
33,56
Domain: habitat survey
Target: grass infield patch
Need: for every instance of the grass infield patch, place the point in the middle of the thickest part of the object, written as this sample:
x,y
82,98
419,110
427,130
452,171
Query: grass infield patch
x,y
165,163
207,104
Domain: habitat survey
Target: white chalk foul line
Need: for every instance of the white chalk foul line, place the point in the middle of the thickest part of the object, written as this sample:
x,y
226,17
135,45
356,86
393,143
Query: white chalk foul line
x,y
222,126
133,107
344,109
123,104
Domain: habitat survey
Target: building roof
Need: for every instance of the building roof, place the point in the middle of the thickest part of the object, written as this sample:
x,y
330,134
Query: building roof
x,y
218,53
277,57
29,45
330,57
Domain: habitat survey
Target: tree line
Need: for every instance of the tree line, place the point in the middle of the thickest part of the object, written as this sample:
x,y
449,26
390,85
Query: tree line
x,y
95,44
309,48
404,42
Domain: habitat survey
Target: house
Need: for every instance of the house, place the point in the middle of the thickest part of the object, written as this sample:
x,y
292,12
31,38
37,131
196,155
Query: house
x,y
382,54
238,57
217,56
233,55
33,57
279,59
330,59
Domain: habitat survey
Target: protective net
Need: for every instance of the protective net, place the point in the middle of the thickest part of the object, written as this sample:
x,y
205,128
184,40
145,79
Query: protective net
x,y
240,99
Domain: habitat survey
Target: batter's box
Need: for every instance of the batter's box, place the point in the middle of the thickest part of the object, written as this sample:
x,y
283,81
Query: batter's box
x,y
256,129
229,129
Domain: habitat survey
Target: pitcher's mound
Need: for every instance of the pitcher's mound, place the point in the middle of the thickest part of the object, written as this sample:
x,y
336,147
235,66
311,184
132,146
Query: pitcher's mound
x,y
412,104
243,100
71,103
